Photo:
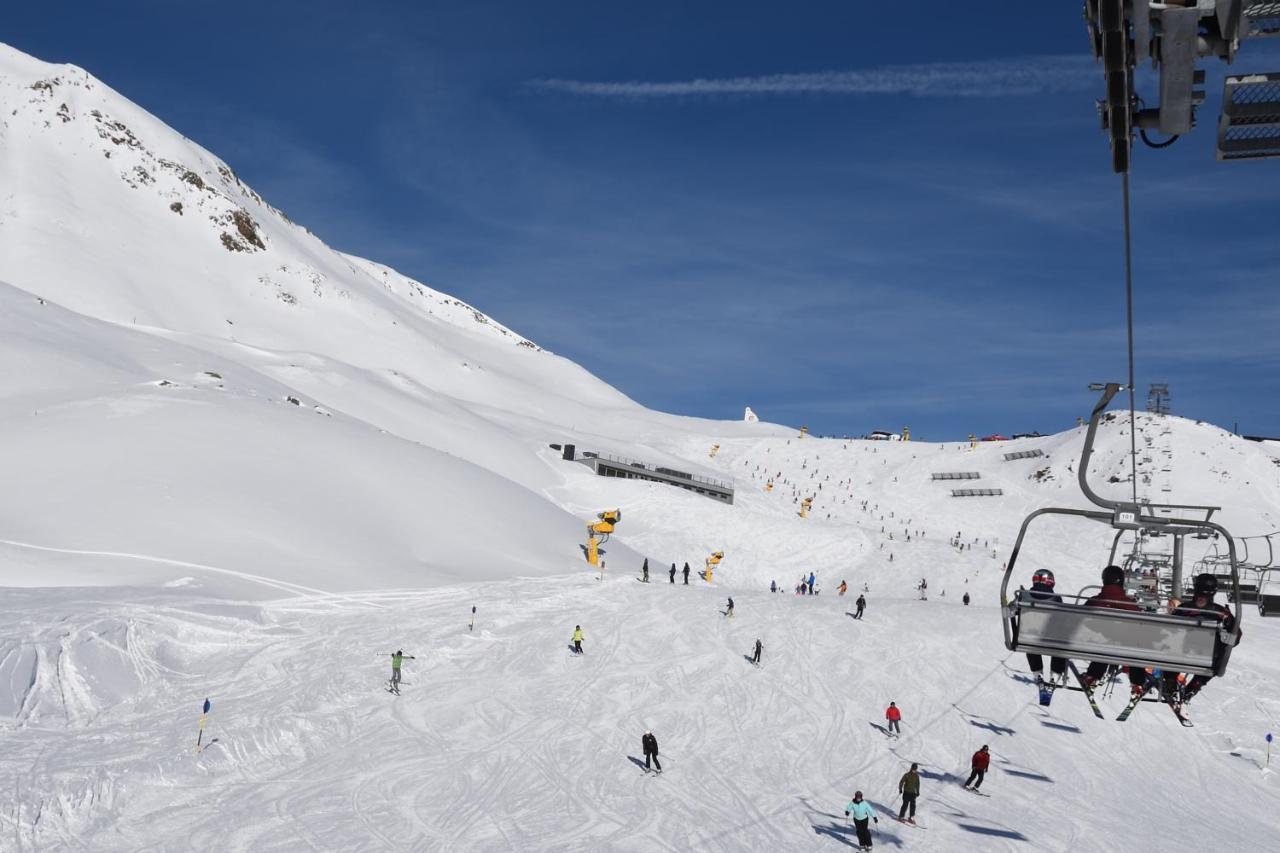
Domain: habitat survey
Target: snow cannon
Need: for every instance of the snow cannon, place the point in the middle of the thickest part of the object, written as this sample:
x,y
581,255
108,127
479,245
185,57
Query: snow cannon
x,y
598,533
712,562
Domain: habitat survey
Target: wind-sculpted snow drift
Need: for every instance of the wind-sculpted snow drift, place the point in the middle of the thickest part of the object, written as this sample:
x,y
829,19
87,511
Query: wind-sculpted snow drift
x,y
241,465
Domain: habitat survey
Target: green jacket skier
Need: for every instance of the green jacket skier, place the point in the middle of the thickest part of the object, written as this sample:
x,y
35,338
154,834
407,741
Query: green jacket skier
x,y
397,659
909,787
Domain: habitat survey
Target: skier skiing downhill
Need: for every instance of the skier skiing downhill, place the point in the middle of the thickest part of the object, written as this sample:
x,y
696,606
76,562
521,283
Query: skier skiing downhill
x,y
577,639
861,812
978,764
396,660
1042,583
673,572
755,658
1113,596
861,605
729,612
909,788
645,570
894,716
843,588
649,744
686,574
1201,605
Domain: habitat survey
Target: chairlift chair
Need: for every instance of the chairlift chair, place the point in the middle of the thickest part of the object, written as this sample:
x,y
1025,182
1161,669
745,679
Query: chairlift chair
x,y
1269,593
1191,644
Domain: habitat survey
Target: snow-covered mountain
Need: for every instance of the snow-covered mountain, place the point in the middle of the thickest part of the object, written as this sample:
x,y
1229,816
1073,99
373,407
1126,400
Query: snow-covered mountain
x,y
272,462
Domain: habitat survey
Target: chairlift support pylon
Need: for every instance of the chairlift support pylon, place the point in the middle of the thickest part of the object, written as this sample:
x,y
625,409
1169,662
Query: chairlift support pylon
x,y
1195,644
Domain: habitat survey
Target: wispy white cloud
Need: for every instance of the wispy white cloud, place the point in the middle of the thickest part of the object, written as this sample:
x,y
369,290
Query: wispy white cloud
x,y
1031,75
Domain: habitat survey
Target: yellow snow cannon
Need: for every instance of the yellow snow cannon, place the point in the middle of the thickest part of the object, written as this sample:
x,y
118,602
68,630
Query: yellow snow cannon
x,y
598,533
712,562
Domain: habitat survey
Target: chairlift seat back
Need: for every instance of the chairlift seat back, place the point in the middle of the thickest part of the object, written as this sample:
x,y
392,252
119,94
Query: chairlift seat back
x,y
1126,638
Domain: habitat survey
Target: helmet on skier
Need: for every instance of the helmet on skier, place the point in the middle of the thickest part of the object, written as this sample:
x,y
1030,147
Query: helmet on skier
x,y
857,795
1112,575
1206,584
1043,577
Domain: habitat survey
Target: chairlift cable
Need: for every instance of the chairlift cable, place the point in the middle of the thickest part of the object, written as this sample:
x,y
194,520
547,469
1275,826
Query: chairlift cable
x,y
1128,290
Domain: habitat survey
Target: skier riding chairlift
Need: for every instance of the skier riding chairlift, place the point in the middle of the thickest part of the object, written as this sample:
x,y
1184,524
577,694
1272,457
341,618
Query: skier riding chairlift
x,y
1120,637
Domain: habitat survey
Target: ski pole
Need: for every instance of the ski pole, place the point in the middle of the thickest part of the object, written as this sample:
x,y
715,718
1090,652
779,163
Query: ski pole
x,y
203,714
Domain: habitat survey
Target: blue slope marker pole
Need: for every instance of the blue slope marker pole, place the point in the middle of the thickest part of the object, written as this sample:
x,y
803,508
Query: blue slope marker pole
x,y
203,714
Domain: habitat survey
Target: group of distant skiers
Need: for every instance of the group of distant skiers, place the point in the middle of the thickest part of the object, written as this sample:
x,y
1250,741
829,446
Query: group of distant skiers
x,y
644,572
1174,687
863,813
807,586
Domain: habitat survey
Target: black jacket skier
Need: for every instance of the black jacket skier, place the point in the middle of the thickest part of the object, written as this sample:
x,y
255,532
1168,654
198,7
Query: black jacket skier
x,y
861,605
759,648
686,574
1201,604
1042,583
649,744
673,572
645,570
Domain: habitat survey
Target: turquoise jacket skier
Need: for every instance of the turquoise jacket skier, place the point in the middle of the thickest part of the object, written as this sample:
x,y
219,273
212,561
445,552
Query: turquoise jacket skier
x,y
860,810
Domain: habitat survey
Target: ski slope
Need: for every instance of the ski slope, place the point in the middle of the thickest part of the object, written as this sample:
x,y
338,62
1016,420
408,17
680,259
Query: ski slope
x,y
244,466
502,740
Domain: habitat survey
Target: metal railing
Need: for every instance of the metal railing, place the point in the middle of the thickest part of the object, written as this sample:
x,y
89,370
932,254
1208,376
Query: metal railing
x,y
661,471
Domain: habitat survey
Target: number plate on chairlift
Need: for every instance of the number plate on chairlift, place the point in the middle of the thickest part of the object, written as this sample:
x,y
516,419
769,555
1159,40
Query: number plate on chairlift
x,y
1126,518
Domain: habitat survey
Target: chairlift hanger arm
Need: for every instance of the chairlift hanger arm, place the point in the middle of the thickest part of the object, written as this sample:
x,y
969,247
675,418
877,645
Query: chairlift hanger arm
x,y
1109,391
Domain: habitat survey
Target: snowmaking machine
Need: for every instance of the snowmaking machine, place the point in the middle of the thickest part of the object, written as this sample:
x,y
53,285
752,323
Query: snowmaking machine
x,y
598,533
712,562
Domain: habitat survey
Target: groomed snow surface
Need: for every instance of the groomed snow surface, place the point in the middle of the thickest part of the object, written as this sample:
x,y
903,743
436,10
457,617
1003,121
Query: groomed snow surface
x,y
502,740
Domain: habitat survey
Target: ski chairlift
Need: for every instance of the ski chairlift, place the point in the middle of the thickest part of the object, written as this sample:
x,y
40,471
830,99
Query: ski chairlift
x,y
1192,644
1269,592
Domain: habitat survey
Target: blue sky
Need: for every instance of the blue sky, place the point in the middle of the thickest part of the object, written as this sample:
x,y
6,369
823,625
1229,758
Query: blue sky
x,y
841,215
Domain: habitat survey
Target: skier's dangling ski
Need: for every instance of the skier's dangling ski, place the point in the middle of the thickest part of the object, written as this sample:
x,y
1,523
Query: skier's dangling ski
x,y
1087,689
1046,693
1137,694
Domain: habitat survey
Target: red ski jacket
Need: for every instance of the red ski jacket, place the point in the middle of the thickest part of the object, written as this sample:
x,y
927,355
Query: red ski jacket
x,y
1113,596
981,760
893,713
